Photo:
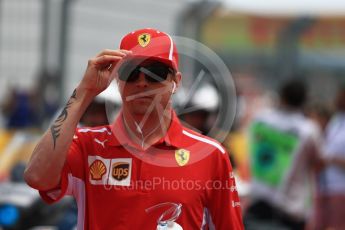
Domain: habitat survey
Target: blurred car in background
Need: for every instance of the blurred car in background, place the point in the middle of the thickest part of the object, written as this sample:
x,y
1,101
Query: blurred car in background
x,y
21,206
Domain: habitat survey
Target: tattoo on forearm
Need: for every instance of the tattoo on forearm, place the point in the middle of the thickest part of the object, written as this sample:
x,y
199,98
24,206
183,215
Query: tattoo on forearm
x,y
56,127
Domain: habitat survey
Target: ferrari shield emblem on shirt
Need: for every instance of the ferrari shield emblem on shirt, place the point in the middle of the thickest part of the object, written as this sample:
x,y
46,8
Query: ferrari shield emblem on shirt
x,y
182,156
144,39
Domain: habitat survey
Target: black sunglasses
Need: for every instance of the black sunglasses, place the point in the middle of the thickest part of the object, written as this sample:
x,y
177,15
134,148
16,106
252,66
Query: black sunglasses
x,y
154,72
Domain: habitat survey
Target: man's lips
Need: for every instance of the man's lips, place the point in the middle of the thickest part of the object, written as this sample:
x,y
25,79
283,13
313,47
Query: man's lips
x,y
145,97
150,94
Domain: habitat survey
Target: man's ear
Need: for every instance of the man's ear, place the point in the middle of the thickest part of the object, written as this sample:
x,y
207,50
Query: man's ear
x,y
174,87
177,79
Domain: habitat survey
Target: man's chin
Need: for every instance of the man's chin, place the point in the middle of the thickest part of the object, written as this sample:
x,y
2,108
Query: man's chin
x,y
140,110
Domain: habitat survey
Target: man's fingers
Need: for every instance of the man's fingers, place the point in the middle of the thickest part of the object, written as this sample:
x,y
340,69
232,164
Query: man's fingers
x,y
111,67
106,60
120,53
126,51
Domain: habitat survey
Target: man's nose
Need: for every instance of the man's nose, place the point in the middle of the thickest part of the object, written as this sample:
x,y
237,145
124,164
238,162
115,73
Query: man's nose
x,y
141,82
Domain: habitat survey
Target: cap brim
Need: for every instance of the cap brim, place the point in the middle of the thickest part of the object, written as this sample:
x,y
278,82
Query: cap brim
x,y
142,59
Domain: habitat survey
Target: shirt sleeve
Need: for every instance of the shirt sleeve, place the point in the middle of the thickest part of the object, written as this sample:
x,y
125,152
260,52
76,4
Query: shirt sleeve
x,y
224,210
71,172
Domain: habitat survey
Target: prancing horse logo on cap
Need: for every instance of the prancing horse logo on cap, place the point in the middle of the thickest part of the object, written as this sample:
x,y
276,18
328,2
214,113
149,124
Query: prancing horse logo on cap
x,y
144,39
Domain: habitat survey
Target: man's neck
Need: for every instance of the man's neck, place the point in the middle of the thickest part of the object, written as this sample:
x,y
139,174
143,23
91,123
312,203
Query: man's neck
x,y
146,130
290,109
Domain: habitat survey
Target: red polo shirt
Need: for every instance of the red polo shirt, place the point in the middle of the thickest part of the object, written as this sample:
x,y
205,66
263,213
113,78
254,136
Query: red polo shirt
x,y
114,181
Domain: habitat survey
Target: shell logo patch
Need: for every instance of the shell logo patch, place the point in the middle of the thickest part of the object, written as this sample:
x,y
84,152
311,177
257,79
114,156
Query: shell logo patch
x,y
182,156
97,170
144,39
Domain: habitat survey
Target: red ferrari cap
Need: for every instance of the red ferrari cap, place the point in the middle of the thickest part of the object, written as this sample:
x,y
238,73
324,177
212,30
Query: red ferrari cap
x,y
151,44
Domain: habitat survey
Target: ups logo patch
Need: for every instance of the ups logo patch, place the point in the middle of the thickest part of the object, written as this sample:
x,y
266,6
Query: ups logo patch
x,y
120,170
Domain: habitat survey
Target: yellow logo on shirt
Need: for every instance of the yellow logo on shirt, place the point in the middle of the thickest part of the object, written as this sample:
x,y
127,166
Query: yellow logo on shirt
x,y
144,39
97,170
182,156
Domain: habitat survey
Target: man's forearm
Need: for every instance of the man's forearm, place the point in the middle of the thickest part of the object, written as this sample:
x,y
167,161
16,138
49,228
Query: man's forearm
x,y
45,166
46,163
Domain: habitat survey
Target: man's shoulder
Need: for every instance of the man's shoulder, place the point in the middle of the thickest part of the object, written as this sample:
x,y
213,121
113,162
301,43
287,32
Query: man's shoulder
x,y
93,137
99,131
195,139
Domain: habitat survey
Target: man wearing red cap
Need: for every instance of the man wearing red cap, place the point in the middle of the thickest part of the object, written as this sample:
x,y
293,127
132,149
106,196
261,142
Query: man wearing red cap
x,y
146,170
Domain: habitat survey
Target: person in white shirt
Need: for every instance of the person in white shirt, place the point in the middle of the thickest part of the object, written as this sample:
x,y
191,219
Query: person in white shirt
x,y
283,150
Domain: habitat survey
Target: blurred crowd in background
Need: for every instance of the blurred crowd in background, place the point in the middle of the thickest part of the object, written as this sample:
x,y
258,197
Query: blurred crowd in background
x,y
286,143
